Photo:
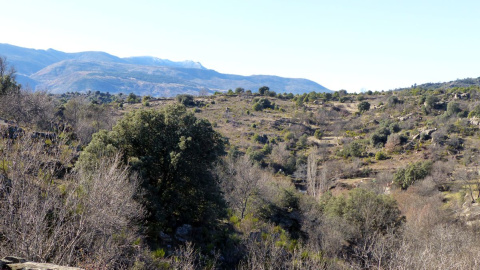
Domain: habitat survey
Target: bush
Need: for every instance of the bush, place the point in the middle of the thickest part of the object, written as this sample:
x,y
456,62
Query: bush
x,y
354,149
405,177
363,106
392,101
453,108
302,141
318,134
380,155
186,100
257,107
380,136
288,136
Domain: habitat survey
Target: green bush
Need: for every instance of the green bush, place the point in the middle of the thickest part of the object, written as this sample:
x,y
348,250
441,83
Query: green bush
x,y
453,108
380,155
405,177
363,106
380,136
288,136
364,212
257,107
318,134
186,100
353,149
302,141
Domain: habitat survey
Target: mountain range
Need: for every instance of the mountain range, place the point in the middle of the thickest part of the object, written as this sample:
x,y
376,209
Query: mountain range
x,y
59,72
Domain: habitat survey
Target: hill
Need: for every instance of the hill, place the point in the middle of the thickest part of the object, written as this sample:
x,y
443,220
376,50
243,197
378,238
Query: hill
x,y
60,72
315,181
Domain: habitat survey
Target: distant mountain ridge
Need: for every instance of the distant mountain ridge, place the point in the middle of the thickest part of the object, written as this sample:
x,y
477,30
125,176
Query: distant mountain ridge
x,y
60,72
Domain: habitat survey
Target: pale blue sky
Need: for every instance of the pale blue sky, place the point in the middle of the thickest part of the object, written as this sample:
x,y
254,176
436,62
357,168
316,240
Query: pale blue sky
x,y
377,45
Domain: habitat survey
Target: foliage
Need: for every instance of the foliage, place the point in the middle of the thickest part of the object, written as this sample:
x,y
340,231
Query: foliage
x,y
405,177
363,106
132,98
453,108
263,90
186,100
353,149
380,155
262,104
172,151
380,136
302,141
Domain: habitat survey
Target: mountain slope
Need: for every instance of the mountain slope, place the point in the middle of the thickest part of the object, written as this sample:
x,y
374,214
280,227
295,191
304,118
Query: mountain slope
x,y
60,72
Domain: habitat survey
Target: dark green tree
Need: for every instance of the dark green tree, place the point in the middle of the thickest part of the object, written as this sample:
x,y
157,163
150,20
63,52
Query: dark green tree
x,y
132,98
173,152
8,85
263,90
363,106
239,90
185,99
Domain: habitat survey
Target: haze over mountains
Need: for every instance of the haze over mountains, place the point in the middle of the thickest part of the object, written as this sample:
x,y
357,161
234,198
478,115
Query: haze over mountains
x,y
60,72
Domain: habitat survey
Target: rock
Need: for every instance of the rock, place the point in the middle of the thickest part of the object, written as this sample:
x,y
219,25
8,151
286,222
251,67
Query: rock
x,y
429,131
165,237
14,259
17,263
183,232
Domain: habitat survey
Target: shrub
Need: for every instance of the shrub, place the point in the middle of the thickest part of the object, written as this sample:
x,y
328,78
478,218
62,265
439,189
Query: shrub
x,y
288,136
318,134
380,155
343,99
405,177
354,149
302,141
254,155
257,107
453,108
363,106
393,100
186,100
380,136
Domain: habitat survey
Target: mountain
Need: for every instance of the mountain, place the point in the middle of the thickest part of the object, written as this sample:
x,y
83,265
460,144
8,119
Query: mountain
x,y
60,72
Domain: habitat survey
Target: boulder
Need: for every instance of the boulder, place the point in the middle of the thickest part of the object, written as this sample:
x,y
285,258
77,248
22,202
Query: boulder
x,y
17,263
183,232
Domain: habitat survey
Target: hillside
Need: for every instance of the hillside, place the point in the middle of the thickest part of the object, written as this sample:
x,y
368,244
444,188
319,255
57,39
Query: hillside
x,y
60,72
241,180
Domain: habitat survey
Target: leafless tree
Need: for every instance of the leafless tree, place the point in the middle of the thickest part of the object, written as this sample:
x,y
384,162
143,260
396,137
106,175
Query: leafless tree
x,y
312,177
85,218
241,180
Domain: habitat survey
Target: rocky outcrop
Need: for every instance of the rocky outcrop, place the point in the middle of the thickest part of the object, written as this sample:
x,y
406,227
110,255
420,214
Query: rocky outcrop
x,y
16,263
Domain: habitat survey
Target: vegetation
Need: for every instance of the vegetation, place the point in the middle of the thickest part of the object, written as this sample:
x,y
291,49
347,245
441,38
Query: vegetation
x,y
380,180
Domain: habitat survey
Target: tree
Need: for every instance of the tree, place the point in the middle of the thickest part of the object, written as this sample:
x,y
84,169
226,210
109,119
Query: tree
x,y
263,90
241,180
430,101
404,177
312,179
185,100
173,152
453,108
132,98
239,90
363,106
8,85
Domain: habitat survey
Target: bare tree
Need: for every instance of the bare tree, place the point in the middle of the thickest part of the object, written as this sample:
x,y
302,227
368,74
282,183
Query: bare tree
x,y
312,178
241,180
86,218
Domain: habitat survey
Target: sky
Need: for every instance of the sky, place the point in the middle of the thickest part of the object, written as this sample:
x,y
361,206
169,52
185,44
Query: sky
x,y
342,44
